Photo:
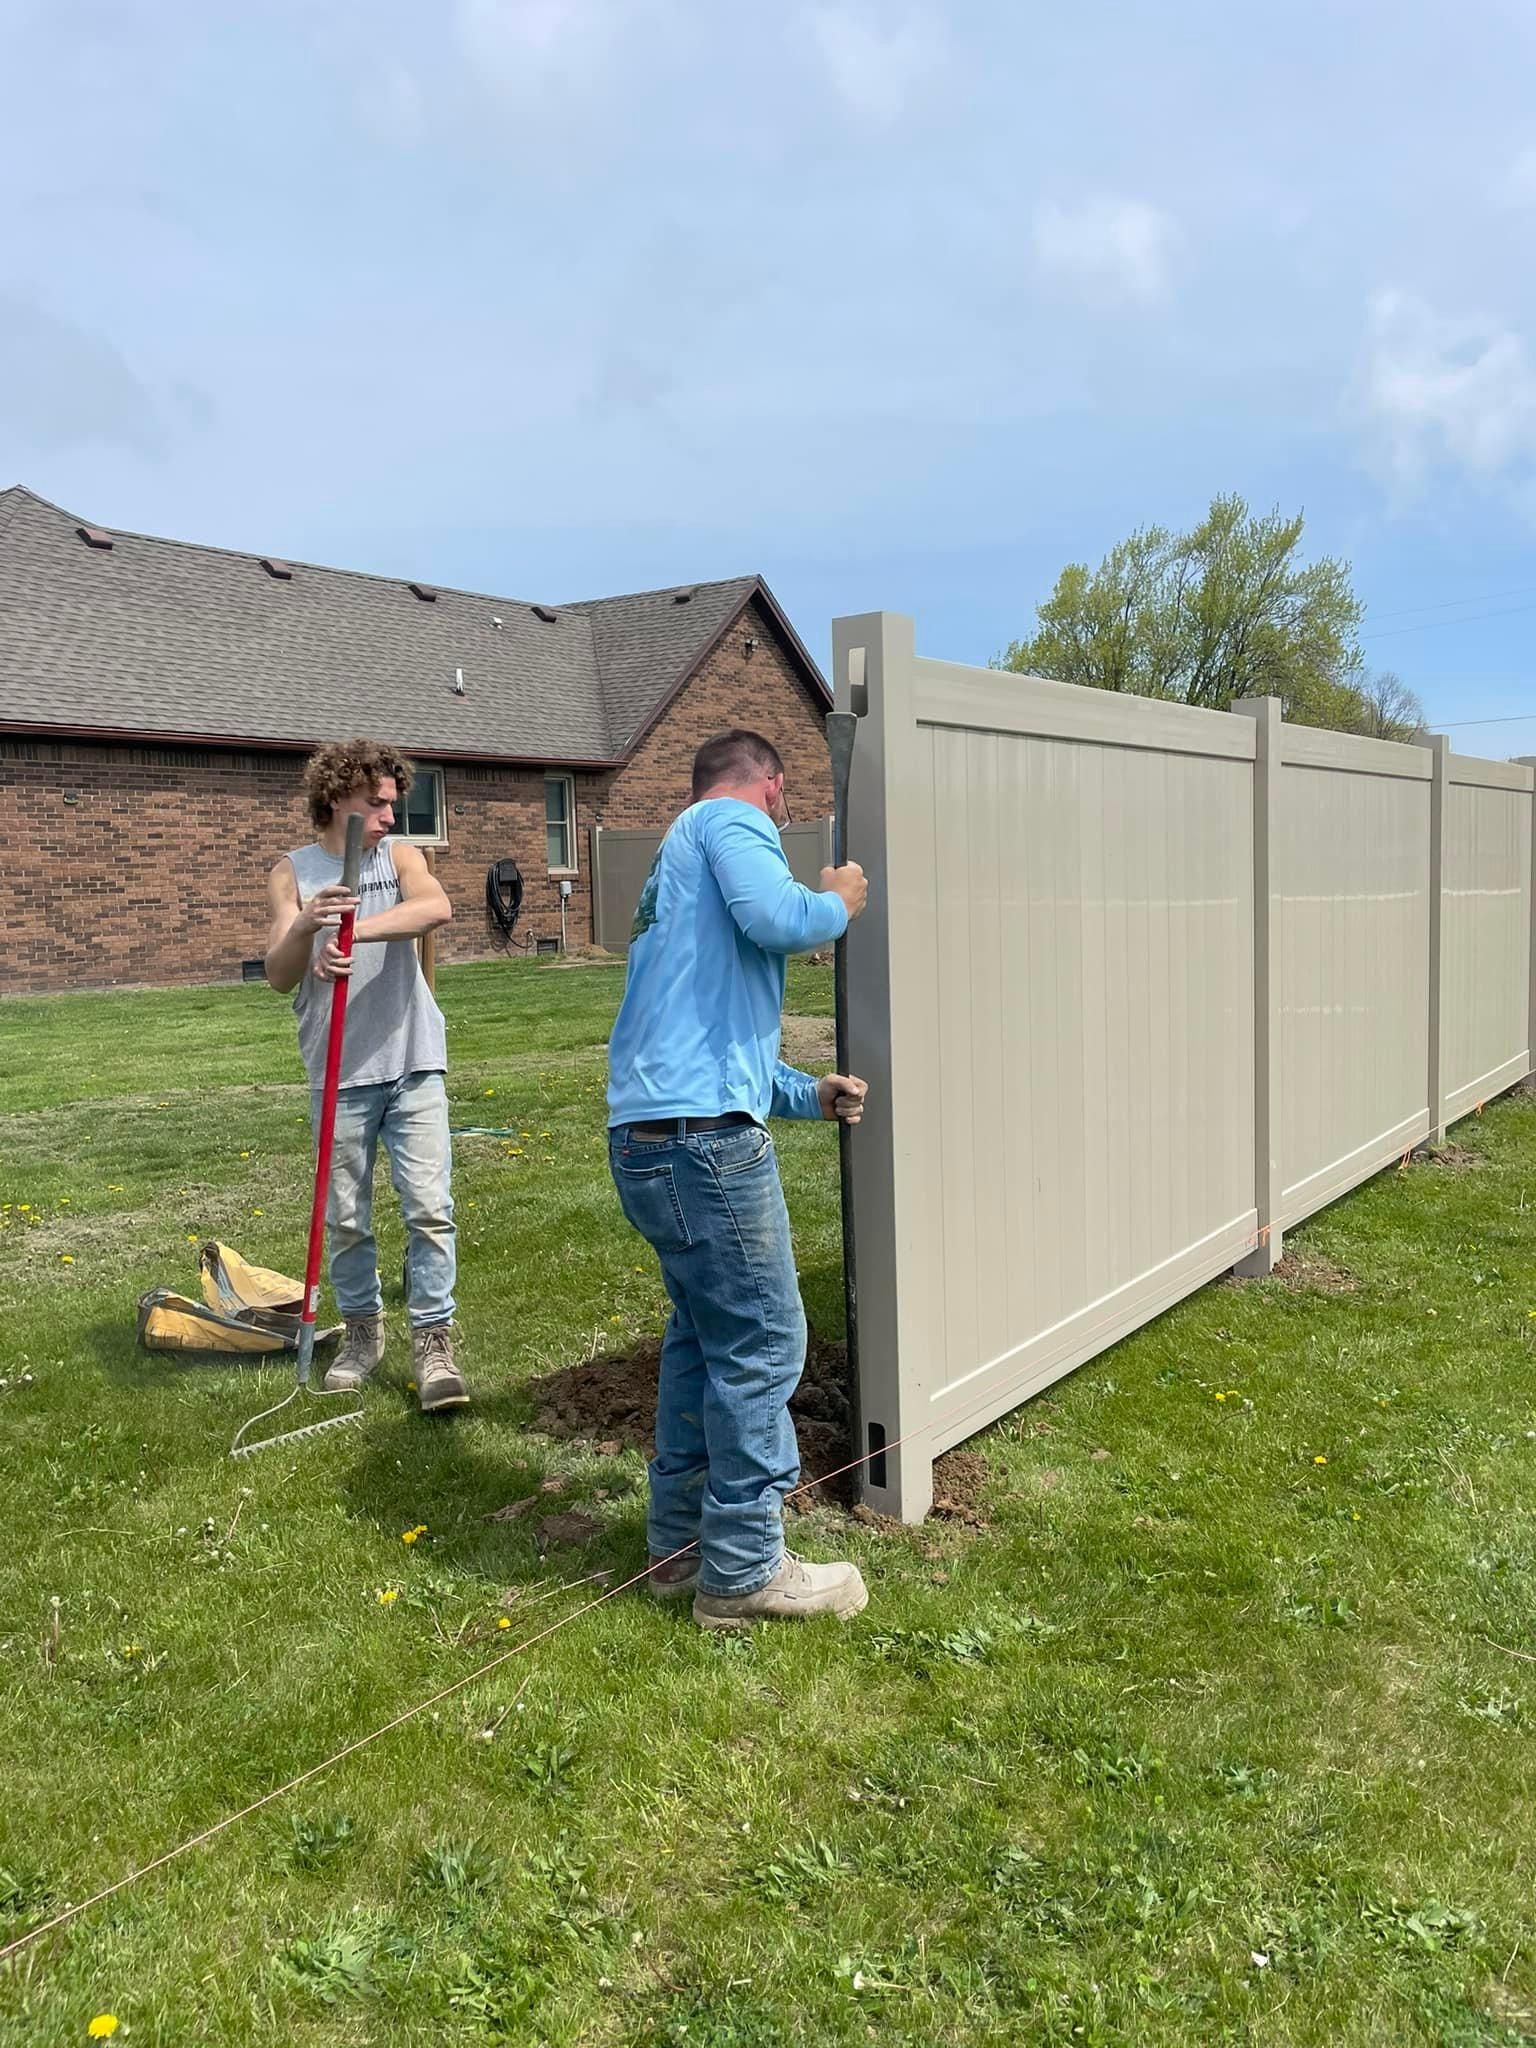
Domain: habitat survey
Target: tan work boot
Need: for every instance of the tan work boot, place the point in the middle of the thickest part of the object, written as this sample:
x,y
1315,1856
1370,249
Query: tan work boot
x,y
361,1349
674,1578
796,1592
439,1384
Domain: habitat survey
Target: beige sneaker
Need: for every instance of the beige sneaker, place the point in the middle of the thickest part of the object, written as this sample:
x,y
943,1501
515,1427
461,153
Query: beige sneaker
x,y
439,1384
796,1592
361,1349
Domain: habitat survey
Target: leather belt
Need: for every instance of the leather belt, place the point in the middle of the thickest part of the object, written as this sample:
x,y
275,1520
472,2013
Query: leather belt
x,y
688,1126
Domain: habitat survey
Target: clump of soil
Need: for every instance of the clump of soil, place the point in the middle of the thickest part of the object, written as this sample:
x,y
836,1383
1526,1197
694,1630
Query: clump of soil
x,y
1310,1273
611,1399
958,1480
1305,1272
1450,1158
610,1402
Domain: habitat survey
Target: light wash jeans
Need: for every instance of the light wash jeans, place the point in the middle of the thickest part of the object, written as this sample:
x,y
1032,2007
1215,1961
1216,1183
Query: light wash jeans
x,y
711,1207
411,1116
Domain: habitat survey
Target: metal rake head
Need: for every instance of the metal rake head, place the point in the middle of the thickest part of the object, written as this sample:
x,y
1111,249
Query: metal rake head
x,y
240,1449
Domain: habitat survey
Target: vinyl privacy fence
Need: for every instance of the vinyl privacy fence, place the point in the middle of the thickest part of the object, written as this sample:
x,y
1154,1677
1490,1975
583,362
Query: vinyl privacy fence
x,y
1139,988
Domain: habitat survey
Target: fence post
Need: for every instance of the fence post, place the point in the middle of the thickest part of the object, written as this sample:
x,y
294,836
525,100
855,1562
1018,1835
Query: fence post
x,y
1529,761
599,907
888,1049
1269,1179
1439,782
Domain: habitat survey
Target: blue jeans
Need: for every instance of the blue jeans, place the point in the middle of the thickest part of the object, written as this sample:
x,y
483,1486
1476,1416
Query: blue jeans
x,y
712,1209
411,1116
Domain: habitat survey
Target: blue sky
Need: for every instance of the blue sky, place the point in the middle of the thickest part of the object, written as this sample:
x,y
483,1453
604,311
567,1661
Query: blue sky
x,y
905,305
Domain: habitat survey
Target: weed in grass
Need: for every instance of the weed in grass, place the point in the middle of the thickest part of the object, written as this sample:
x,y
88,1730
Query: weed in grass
x,y
801,1868
457,1868
335,1966
24,1891
313,1843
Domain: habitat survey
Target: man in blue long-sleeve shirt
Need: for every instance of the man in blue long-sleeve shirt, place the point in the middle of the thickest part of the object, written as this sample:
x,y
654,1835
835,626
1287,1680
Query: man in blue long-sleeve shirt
x,y
694,1074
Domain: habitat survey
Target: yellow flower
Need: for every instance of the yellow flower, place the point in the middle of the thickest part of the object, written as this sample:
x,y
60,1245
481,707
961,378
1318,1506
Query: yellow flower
x,y
1221,1397
503,1622
489,1093
64,1201
26,1208
515,1151
388,1595
409,1536
103,2027
115,1187
258,1212
1319,1459
546,1134
66,1258
615,1319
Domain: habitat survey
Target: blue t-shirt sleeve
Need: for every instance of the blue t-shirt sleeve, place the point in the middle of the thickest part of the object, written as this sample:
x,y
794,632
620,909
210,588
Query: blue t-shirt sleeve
x,y
769,906
794,1094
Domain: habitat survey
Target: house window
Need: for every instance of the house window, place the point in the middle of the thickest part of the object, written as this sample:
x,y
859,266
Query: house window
x,y
421,814
560,823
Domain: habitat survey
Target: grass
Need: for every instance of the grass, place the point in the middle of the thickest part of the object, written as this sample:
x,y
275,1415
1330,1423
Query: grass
x,y
1203,1739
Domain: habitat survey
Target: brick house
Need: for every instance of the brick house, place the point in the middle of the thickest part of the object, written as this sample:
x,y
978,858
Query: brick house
x,y
157,698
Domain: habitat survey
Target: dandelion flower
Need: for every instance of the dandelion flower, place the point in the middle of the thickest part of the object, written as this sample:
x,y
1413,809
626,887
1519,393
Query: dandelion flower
x,y
388,1595
66,1258
1221,1397
409,1536
615,1319
489,1093
503,1622
103,2027
1320,1459
258,1212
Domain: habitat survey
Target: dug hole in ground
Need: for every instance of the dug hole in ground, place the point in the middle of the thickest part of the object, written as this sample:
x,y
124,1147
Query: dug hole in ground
x,y
608,1402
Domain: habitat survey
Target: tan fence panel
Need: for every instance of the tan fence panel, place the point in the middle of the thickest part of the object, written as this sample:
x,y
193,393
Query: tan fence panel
x,y
621,860
1485,958
1061,1138
1138,986
1351,867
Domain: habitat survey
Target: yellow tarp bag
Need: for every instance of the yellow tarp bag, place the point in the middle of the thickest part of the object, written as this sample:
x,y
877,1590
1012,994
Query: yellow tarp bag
x,y
245,1308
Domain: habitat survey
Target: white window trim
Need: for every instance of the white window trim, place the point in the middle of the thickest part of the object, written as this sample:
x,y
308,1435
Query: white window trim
x,y
569,873
440,836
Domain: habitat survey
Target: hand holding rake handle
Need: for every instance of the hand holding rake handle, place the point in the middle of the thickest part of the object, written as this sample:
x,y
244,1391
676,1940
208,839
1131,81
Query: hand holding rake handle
x,y
325,1137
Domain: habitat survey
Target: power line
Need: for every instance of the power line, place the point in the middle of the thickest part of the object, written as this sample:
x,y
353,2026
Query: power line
x,y
1446,603
1514,718
1429,625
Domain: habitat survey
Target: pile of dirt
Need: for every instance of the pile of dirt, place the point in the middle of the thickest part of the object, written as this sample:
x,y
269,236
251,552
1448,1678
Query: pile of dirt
x,y
609,1402
1310,1273
1450,1158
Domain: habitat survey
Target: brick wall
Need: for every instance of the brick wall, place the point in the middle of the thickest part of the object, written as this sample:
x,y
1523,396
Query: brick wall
x,y
148,864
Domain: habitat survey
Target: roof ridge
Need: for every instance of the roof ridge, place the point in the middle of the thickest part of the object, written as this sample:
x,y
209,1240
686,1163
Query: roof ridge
x,y
576,604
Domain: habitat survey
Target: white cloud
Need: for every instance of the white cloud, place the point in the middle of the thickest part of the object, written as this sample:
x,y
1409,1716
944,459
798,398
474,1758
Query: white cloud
x,y
1120,246
1517,187
390,103
516,45
875,67
1441,392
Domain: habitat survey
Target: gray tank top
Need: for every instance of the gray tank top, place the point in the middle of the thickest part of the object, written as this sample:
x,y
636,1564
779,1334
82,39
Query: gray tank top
x,y
394,1027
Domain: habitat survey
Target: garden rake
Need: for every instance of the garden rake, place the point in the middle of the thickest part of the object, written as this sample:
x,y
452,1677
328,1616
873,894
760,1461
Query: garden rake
x,y
351,867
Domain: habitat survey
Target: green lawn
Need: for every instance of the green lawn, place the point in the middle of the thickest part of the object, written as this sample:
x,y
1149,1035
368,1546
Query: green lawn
x,y
1222,1730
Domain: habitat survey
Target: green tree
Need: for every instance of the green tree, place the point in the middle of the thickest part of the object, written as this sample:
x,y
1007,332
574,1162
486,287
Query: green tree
x,y
1227,610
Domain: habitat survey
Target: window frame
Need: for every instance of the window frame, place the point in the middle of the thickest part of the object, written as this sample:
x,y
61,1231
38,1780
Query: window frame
x,y
425,770
570,867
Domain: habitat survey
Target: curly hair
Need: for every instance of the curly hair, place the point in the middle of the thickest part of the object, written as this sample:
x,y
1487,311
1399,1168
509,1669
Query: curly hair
x,y
348,765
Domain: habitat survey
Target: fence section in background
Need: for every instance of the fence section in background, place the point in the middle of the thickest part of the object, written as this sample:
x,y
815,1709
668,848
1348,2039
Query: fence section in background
x,y
621,860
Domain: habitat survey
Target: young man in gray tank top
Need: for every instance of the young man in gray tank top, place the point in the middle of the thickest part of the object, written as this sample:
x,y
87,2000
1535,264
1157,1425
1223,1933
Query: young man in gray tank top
x,y
393,1055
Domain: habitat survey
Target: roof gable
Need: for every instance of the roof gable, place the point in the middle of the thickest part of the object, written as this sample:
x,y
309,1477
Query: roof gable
x,y
150,636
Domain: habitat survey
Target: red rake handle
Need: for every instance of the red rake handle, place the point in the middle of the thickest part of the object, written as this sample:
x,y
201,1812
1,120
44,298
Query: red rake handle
x,y
325,1137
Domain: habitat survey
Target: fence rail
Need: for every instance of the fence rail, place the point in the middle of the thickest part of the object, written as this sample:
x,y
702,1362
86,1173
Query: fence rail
x,y
621,860
1140,987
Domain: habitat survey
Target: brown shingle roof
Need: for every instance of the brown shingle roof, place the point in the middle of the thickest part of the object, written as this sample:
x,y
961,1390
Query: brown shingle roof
x,y
165,637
